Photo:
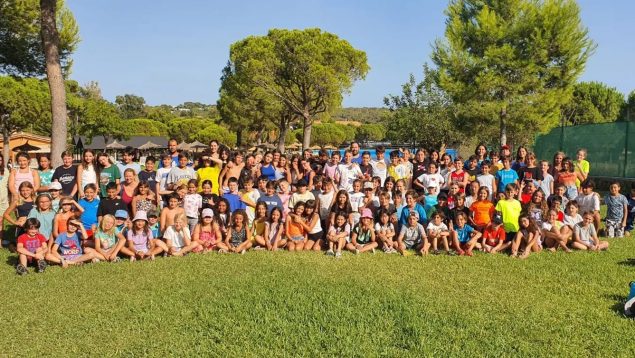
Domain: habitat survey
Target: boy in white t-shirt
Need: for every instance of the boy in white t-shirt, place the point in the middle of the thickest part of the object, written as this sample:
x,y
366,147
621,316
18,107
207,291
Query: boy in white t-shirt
x,y
430,179
487,180
162,180
589,201
356,198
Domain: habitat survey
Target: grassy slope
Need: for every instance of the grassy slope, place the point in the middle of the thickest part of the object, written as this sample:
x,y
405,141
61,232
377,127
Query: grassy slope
x,y
282,303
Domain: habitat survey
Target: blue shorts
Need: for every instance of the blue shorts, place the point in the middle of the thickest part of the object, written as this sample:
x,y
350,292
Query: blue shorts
x,y
297,238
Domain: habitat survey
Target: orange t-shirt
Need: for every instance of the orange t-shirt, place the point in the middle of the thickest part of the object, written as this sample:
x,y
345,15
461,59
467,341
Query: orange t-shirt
x,y
294,230
493,236
483,211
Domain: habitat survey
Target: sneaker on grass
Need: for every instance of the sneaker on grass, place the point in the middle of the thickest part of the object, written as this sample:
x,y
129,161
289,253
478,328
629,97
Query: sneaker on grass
x,y
21,270
41,266
330,253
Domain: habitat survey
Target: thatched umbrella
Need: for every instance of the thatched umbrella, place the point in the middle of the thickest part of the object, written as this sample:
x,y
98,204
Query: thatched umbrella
x,y
115,145
183,146
26,147
149,145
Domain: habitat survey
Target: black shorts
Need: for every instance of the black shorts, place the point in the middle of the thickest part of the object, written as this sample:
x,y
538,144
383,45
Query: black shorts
x,y
510,236
315,237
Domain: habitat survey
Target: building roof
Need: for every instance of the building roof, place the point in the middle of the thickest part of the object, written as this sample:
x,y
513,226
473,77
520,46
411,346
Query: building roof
x,y
134,142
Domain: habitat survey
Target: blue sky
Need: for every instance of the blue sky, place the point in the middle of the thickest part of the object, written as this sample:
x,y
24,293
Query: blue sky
x,y
173,51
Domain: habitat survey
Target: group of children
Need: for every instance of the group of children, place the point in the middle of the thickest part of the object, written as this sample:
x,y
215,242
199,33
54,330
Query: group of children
x,y
428,205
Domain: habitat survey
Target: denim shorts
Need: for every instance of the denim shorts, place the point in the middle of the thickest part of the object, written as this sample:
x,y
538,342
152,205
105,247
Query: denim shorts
x,y
297,238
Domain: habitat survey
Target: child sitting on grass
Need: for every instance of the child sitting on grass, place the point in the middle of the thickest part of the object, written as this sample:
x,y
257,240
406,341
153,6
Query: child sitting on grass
x,y
338,235
528,237
385,231
585,237
437,230
464,237
296,235
177,237
275,229
238,236
141,243
412,236
589,200
556,234
108,242
494,236
363,235
31,247
67,249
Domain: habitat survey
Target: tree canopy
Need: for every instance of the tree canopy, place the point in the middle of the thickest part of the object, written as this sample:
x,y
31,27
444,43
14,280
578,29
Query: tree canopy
x,y
422,114
21,49
511,64
307,71
593,102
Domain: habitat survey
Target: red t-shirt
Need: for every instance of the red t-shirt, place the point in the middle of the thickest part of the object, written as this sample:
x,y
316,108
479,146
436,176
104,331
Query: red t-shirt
x,y
458,178
493,236
31,243
525,198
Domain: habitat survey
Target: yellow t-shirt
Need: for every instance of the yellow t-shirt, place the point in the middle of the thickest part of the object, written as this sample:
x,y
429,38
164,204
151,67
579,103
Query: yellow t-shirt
x,y
585,168
209,173
511,211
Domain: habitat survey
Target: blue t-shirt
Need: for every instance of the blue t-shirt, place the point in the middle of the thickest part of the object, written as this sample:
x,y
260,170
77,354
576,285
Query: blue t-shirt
x,y
69,245
156,230
89,216
504,177
403,218
272,202
234,202
464,233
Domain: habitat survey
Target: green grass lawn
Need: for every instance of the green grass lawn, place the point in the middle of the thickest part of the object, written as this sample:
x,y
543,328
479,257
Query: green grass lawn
x,y
264,304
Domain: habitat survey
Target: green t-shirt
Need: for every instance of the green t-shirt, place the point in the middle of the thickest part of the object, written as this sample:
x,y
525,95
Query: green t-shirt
x,y
108,175
511,211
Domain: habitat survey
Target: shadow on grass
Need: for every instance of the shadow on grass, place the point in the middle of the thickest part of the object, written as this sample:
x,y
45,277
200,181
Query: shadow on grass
x,y
12,260
627,262
618,306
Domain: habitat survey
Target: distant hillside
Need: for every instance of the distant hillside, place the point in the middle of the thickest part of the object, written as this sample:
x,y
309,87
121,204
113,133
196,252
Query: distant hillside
x,y
363,114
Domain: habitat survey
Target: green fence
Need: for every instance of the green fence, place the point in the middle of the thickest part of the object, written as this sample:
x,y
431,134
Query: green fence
x,y
610,147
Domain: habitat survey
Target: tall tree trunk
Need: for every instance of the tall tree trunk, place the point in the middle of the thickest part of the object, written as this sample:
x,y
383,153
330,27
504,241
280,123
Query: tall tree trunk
x,y
283,129
6,137
239,137
503,126
51,42
306,135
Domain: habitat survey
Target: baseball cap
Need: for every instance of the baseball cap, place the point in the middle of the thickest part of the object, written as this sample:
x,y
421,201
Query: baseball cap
x,y
366,213
368,185
55,186
497,220
121,214
207,213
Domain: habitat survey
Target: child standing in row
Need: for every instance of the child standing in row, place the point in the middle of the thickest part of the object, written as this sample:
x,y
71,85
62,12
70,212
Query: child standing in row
x,y
616,211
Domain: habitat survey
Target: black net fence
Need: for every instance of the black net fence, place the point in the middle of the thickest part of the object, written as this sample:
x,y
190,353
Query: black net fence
x,y
610,147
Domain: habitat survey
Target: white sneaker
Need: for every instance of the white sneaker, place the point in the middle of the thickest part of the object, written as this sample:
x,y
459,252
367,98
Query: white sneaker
x,y
338,254
330,253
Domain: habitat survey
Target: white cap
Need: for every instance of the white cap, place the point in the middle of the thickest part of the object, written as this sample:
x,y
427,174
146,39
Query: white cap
x,y
55,186
207,213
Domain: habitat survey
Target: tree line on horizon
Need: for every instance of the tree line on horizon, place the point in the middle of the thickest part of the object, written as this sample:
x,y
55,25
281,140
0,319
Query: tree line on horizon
x,y
503,71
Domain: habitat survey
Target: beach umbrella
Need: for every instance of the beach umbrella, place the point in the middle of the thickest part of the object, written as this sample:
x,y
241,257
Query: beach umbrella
x,y
183,146
294,146
115,145
266,146
315,147
149,145
26,147
330,147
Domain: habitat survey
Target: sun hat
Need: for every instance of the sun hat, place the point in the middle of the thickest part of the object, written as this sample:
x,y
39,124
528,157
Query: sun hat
x,y
121,214
141,215
207,213
55,186
366,213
